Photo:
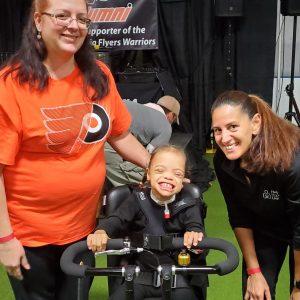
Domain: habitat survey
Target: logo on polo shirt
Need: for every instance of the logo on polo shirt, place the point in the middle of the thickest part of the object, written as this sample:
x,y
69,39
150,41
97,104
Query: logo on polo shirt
x,y
70,127
271,195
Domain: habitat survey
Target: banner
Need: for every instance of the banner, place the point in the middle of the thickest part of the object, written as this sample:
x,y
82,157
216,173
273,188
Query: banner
x,y
123,24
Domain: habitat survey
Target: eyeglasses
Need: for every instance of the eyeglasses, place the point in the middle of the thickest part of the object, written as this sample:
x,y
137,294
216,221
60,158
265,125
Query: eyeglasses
x,y
64,19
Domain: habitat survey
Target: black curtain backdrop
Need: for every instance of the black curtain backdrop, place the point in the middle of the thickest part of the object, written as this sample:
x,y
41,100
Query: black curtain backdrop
x,y
255,35
191,47
256,41
13,14
186,48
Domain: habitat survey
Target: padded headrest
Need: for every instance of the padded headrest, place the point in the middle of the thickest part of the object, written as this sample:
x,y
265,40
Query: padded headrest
x,y
192,189
115,196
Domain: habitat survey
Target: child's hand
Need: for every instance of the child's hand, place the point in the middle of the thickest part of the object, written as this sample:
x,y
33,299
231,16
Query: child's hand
x,y
97,241
192,238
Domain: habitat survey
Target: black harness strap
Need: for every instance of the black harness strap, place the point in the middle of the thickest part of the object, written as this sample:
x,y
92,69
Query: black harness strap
x,y
154,234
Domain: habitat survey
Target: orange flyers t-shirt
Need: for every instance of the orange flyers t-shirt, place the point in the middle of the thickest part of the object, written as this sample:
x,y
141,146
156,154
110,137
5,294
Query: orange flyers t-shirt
x,y
52,146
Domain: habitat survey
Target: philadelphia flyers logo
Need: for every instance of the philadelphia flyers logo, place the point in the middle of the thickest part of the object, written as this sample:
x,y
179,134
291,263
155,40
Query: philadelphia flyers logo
x,y
70,127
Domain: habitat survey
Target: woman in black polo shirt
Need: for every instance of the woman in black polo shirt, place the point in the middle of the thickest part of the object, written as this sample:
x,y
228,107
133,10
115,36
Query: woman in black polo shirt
x,y
258,168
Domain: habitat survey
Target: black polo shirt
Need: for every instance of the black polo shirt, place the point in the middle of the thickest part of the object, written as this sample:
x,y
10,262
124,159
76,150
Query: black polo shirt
x,y
270,203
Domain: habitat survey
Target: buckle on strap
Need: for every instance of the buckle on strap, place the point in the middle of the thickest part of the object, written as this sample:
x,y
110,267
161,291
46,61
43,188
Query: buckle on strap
x,y
157,242
152,242
156,280
174,282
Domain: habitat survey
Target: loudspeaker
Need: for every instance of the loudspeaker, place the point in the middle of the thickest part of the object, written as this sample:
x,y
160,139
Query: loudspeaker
x,y
290,7
229,8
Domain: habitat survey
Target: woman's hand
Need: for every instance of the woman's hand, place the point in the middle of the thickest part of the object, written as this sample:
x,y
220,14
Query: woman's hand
x,y
12,257
295,295
97,241
257,288
192,238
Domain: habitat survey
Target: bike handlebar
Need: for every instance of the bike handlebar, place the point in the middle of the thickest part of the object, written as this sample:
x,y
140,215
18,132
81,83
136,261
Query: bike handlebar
x,y
71,268
222,268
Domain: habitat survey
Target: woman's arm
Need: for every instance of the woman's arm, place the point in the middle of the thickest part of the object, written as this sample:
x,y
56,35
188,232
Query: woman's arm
x,y
297,264
257,287
241,220
130,149
293,210
245,239
12,253
5,227
296,292
239,217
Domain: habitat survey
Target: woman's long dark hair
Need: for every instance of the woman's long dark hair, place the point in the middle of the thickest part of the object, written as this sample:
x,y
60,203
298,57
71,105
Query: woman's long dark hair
x,y
27,66
274,147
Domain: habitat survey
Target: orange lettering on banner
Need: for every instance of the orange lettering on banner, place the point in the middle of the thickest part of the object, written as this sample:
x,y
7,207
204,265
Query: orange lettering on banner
x,y
113,14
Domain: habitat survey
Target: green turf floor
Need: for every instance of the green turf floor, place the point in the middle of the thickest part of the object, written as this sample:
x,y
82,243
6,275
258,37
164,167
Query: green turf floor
x,y
226,287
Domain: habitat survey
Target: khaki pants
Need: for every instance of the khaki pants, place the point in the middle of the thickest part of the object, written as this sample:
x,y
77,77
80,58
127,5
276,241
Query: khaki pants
x,y
119,171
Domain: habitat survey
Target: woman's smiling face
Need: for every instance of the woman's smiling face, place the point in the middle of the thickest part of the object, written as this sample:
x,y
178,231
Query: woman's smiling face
x,y
234,130
58,39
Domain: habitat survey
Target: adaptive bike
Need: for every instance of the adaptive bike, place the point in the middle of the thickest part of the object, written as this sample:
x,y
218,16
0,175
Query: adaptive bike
x,y
166,273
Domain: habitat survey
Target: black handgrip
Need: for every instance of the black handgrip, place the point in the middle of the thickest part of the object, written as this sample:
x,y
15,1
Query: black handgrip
x,y
224,267
67,259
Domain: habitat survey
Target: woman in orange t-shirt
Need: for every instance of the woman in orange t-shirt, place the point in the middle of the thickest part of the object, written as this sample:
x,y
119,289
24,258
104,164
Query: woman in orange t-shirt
x,y
58,106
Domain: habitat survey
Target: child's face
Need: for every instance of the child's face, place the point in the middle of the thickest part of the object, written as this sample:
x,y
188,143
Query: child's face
x,y
166,174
